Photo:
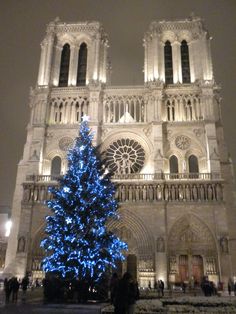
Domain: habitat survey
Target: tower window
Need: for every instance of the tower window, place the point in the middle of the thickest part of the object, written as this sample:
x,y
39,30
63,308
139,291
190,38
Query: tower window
x,y
185,62
193,164
168,63
82,65
174,168
56,166
64,67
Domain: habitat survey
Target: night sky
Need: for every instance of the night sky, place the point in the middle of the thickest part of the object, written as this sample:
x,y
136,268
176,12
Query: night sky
x,y
22,28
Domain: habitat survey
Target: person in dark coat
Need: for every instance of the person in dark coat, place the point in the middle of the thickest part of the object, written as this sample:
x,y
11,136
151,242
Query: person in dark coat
x,y
15,288
7,289
162,286
113,286
126,295
24,286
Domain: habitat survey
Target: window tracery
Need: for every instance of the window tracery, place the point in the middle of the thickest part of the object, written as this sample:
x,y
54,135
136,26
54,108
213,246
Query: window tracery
x,y
125,156
185,62
64,66
82,65
168,63
56,166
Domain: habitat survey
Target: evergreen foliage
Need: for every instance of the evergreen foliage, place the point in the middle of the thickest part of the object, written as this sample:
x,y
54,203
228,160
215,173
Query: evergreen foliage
x,y
78,243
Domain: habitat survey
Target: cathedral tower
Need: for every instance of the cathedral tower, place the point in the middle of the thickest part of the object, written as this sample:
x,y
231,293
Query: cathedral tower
x,y
163,140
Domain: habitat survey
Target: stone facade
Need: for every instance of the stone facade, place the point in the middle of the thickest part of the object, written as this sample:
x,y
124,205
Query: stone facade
x,y
164,140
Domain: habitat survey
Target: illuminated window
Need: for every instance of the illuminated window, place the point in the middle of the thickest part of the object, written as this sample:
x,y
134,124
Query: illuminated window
x,y
56,166
82,65
168,63
185,62
64,67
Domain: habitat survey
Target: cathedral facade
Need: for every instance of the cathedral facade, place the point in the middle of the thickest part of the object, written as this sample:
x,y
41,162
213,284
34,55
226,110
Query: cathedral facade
x,y
163,141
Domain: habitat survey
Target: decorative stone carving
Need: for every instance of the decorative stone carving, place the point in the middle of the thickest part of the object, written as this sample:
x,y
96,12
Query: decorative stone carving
x,y
160,244
21,245
198,132
182,142
65,143
34,156
125,156
158,155
224,245
173,264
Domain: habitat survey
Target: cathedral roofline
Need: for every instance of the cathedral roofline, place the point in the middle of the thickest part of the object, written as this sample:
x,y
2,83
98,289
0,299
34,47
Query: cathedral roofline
x,y
58,26
193,24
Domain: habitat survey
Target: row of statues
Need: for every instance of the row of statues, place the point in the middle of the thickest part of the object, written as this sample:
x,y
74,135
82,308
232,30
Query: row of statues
x,y
170,192
136,193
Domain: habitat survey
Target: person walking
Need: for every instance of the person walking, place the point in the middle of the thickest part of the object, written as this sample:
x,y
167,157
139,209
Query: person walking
x,y
15,288
24,286
7,289
162,286
113,286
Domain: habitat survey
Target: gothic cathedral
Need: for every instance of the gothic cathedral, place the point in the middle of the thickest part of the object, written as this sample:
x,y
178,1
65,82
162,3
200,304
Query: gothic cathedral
x,y
163,140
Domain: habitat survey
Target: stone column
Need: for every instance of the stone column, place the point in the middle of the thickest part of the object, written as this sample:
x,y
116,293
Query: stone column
x,y
145,60
42,63
176,59
48,61
97,58
56,65
155,57
191,47
161,61
73,67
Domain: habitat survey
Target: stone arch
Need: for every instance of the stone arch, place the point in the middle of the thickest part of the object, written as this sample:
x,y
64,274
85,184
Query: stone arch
x,y
168,36
142,241
192,250
47,162
83,38
37,253
189,232
65,39
185,35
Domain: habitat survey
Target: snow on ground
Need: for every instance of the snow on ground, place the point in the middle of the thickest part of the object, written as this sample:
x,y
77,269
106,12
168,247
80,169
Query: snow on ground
x,y
186,304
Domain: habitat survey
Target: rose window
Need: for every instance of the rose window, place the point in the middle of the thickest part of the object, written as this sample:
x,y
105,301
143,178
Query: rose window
x,y
125,156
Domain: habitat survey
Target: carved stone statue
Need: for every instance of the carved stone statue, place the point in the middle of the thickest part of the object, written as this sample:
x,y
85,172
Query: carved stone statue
x,y
21,245
224,245
150,193
160,245
159,192
137,197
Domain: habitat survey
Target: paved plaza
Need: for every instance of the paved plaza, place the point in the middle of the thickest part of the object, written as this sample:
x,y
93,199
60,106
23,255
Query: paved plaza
x,y
34,304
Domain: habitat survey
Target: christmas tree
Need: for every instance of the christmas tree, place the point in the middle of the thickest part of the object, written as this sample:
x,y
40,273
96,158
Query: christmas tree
x,y
78,243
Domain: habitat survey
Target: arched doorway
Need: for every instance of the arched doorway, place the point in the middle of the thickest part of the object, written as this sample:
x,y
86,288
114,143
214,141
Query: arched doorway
x,y
37,255
191,265
192,251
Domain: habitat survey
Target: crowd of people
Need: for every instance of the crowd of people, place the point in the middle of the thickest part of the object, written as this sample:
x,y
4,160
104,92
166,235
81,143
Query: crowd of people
x,y
12,286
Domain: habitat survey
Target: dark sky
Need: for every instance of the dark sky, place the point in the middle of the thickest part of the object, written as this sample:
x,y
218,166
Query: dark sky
x,y
22,28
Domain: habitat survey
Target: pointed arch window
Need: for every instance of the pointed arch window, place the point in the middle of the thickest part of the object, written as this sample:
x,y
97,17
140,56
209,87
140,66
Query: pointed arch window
x,y
174,168
168,63
193,164
185,62
56,167
65,65
82,65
